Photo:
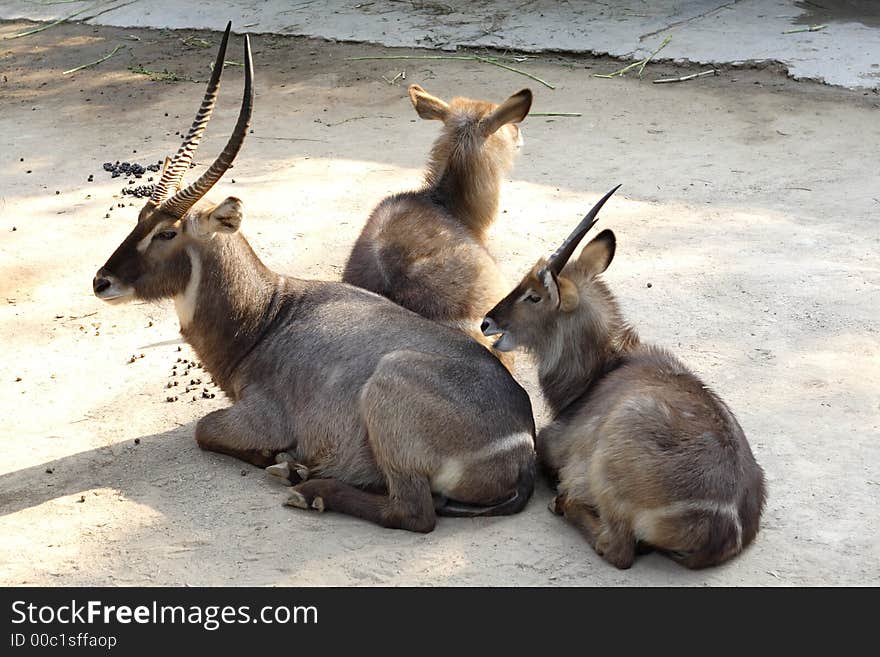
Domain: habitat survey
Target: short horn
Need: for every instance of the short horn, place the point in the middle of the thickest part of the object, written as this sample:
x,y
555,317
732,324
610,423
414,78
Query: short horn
x,y
560,257
183,200
174,172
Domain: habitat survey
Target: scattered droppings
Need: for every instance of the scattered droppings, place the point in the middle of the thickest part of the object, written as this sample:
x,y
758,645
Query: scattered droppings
x,y
171,399
17,379
50,470
650,285
82,498
137,441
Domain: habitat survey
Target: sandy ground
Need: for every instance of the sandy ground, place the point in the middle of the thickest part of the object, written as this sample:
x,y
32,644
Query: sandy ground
x,y
749,204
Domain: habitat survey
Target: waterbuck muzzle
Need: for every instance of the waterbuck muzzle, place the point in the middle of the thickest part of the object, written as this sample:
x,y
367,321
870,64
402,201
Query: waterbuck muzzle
x,y
124,274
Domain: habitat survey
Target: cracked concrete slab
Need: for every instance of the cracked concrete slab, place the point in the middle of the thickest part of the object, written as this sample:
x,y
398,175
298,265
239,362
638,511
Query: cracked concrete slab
x,y
844,52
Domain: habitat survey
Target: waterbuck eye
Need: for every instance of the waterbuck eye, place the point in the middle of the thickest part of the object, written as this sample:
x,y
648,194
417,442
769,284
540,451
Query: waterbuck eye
x,y
534,298
165,235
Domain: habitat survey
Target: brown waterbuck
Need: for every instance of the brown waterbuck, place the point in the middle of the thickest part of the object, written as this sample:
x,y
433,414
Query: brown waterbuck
x,y
645,455
392,418
426,250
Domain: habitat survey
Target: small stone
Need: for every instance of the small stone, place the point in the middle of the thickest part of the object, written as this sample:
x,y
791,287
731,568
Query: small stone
x,y
650,285
137,441
50,470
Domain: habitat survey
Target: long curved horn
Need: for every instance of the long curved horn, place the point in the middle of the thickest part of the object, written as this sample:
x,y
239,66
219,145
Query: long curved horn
x,y
183,200
560,257
173,173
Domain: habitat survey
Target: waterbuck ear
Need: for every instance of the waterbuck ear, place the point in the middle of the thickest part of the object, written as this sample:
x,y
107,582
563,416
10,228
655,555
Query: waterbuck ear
x,y
568,294
427,106
223,218
512,110
563,293
549,281
598,253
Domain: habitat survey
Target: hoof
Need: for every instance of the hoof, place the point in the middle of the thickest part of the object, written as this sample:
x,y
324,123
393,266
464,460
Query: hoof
x,y
281,470
302,471
556,505
298,500
318,504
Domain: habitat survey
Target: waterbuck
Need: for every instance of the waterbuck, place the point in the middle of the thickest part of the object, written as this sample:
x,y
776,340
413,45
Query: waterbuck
x,y
426,250
392,417
644,453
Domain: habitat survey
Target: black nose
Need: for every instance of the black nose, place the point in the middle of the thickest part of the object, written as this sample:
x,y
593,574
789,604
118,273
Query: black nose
x,y
484,325
100,284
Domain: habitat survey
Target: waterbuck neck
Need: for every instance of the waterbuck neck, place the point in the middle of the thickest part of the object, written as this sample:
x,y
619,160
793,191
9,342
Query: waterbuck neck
x,y
467,182
582,347
229,301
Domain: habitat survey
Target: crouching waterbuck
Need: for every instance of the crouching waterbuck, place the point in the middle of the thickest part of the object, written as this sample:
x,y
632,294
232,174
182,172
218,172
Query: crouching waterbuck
x,y
386,415
426,250
644,453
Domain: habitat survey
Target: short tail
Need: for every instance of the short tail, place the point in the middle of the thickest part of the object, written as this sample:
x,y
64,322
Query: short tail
x,y
525,485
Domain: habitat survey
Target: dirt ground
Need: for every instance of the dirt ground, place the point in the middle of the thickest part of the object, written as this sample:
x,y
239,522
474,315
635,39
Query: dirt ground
x,y
747,242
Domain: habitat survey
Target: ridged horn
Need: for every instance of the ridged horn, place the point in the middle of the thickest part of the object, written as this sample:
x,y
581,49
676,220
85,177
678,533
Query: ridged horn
x,y
173,173
560,257
183,200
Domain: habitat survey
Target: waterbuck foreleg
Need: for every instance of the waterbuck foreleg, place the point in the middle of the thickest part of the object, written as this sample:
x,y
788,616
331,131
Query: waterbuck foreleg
x,y
252,430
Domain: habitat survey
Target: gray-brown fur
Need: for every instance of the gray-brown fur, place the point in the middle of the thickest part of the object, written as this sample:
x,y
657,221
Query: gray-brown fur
x,y
645,455
366,394
389,415
426,249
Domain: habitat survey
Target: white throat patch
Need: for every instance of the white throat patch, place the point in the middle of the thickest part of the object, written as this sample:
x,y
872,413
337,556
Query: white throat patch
x,y
185,304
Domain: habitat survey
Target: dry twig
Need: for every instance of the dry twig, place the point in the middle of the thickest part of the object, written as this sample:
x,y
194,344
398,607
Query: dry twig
x,y
641,63
94,63
685,78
